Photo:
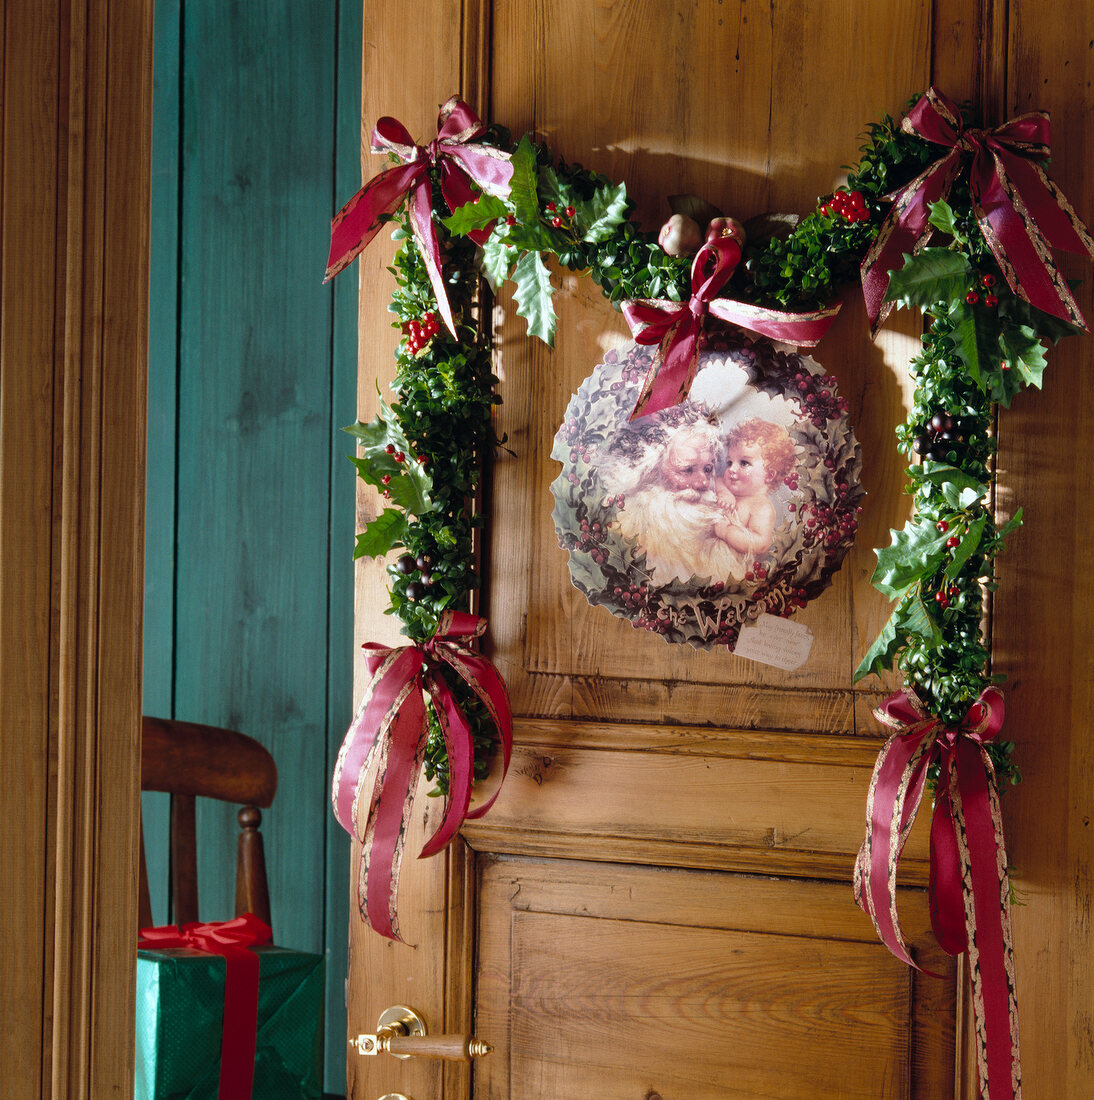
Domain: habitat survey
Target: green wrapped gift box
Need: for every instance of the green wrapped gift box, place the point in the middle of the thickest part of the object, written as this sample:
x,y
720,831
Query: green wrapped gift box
x,y
180,1018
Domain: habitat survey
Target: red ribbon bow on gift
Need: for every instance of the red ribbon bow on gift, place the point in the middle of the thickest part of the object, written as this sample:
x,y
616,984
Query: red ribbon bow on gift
x,y
391,727
678,326
460,162
1021,212
231,939
969,887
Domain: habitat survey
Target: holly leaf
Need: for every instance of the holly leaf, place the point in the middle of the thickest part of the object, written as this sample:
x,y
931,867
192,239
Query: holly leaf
x,y
533,292
551,189
475,215
384,533
915,619
1044,324
970,542
960,498
934,275
882,653
498,257
941,217
523,191
1021,349
409,485
603,213
976,338
915,552
1010,526
941,473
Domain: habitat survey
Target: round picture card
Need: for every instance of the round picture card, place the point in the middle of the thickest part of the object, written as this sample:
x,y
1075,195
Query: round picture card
x,y
695,520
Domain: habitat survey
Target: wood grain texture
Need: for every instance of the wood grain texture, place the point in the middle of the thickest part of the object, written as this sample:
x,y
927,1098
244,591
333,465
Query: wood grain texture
x,y
700,1002
1043,606
705,809
75,172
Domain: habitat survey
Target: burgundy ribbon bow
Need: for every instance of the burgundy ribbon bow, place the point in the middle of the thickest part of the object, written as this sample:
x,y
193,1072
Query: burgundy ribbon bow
x,y
460,162
678,326
231,939
391,730
969,887
1021,213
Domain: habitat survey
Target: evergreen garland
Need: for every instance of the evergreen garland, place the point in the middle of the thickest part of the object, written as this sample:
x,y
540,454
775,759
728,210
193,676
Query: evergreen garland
x,y
425,451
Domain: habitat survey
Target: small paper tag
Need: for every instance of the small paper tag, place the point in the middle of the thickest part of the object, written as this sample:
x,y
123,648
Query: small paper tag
x,y
772,640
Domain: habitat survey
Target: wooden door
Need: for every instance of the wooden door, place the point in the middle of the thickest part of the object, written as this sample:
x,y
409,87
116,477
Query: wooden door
x,y
659,905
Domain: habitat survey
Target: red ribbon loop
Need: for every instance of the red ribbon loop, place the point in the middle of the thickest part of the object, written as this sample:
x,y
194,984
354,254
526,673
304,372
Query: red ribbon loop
x,y
1021,213
678,326
390,731
969,887
230,939
461,162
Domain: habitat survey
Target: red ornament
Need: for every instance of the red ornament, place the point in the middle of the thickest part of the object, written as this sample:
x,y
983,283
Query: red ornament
x,y
942,526
990,300
953,541
551,208
556,222
390,448
570,211
972,297
987,280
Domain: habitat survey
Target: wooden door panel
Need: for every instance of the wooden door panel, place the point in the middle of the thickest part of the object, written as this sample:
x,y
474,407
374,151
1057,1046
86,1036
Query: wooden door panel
x,y
688,796
627,982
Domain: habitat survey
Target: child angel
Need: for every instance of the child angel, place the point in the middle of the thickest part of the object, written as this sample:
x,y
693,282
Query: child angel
x,y
759,456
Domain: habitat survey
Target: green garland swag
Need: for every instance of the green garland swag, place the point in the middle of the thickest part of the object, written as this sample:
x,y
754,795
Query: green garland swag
x,y
426,450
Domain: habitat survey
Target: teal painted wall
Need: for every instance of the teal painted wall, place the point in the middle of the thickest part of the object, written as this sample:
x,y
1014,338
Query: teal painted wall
x,y
248,587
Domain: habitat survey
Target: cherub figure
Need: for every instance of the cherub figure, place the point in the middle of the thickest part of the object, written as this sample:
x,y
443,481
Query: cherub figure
x,y
759,455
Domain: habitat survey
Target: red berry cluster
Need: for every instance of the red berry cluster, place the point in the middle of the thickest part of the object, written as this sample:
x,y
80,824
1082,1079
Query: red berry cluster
x,y
818,397
592,536
989,299
632,596
943,597
831,525
758,572
848,205
555,218
419,333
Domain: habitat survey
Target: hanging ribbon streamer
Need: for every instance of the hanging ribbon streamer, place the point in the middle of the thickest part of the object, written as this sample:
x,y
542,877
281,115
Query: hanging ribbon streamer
x,y
1022,214
677,326
231,939
460,161
390,731
969,887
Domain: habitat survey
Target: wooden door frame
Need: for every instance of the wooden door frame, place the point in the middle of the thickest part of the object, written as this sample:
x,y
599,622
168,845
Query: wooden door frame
x,y
76,141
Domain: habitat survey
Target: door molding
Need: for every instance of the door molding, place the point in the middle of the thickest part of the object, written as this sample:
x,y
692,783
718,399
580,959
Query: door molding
x,y
76,125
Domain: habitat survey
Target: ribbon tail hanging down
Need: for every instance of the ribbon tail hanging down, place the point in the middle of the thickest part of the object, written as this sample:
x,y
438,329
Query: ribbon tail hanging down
x,y
384,833
987,887
896,789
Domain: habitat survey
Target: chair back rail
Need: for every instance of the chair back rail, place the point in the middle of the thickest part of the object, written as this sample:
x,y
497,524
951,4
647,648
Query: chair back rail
x,y
188,761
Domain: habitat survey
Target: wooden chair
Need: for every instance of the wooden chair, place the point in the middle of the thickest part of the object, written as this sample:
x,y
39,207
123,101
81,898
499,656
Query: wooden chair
x,y
191,761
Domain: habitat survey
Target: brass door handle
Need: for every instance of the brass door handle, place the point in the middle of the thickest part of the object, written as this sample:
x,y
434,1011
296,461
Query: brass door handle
x,y
402,1032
